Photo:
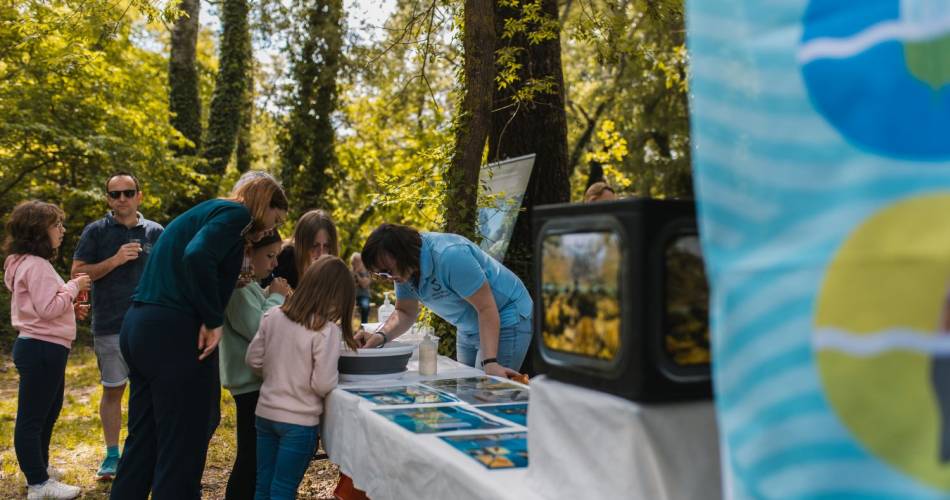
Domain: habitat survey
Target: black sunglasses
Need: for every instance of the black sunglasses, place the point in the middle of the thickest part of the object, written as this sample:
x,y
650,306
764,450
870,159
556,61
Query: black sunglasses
x,y
129,193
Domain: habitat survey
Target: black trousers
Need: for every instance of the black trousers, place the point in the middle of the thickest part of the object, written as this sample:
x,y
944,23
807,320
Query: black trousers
x,y
174,405
42,369
243,479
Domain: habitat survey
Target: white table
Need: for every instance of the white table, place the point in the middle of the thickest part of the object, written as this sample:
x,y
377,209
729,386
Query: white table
x,y
588,444
389,462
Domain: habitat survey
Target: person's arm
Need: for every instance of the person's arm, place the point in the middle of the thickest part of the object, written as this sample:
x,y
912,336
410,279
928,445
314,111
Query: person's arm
x,y
50,299
254,358
326,355
127,252
206,250
489,326
244,311
403,317
463,275
84,258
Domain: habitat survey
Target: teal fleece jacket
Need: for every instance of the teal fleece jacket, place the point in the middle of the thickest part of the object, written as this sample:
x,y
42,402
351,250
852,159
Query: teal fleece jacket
x,y
242,317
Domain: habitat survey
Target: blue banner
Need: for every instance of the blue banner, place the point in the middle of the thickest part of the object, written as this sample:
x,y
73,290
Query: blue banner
x,y
821,143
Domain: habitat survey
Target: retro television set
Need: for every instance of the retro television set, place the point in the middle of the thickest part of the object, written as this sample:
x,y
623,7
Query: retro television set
x,y
621,298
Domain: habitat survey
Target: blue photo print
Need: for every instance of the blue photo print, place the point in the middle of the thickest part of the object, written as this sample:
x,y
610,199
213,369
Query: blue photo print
x,y
434,419
403,395
517,412
481,390
495,451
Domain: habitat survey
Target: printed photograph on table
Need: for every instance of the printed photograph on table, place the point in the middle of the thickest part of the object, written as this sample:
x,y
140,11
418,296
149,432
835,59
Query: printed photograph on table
x,y
495,451
403,395
516,413
434,419
481,390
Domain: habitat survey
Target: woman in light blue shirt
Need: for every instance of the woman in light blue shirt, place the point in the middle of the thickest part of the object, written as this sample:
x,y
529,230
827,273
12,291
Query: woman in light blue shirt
x,y
484,300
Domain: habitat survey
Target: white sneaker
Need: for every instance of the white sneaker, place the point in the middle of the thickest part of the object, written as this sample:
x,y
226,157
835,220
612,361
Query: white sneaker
x,y
52,489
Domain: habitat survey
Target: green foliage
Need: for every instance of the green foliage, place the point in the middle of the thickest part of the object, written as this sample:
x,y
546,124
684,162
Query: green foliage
x,y
231,89
184,100
78,101
394,130
525,24
625,64
307,145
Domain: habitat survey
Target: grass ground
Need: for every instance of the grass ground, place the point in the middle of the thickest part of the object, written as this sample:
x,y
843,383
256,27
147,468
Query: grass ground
x,y
77,445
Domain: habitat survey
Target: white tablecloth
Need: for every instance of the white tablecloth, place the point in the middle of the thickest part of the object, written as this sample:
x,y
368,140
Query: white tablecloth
x,y
589,444
389,462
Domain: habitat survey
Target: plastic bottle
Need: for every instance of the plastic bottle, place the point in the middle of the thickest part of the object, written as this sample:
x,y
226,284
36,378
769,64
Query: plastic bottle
x,y
385,310
428,354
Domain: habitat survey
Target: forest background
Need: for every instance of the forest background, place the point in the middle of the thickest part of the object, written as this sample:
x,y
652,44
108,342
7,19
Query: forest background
x,y
373,121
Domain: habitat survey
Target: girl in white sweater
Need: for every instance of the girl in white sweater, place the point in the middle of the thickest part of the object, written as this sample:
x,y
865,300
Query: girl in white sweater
x,y
296,350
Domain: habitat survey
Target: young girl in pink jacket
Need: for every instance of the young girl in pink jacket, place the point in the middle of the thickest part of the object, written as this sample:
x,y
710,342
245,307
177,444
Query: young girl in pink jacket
x,y
296,350
41,310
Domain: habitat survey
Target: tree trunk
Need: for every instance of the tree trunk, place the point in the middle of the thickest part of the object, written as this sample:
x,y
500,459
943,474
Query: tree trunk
x,y
474,120
183,98
244,153
308,148
229,91
537,126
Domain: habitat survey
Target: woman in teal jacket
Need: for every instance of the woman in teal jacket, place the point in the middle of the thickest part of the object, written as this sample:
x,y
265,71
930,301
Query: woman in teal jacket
x,y
169,338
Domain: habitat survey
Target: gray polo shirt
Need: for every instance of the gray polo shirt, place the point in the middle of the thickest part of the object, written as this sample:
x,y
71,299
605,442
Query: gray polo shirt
x,y
112,294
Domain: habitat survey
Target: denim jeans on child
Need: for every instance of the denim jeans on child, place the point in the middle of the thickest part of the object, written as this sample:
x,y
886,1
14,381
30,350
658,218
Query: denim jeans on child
x,y
513,342
283,455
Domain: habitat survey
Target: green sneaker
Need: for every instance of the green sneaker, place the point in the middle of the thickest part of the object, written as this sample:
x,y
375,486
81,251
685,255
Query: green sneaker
x,y
106,471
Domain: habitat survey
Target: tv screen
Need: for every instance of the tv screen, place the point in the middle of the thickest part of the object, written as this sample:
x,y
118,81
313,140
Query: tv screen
x,y
686,298
580,283
621,300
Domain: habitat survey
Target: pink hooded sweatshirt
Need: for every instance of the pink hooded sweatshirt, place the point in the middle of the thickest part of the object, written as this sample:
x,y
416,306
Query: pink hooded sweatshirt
x,y
42,304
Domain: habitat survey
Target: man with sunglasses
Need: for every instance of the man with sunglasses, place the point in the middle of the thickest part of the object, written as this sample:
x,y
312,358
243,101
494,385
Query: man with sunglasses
x,y
113,251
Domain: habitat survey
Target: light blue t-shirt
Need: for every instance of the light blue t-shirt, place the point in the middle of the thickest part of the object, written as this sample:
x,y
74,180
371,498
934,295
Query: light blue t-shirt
x,y
451,268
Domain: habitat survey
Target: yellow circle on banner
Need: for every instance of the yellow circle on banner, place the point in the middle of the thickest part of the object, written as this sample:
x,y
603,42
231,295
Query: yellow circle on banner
x,y
881,300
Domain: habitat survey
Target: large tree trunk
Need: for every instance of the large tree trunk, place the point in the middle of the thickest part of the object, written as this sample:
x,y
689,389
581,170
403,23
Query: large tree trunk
x,y
229,91
474,119
308,148
244,153
537,126
183,99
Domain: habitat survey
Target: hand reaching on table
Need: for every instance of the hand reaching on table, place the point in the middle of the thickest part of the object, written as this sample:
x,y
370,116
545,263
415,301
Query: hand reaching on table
x,y
368,340
500,371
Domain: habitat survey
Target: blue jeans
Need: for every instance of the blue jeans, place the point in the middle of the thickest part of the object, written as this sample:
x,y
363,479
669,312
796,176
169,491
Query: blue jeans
x,y
283,455
513,342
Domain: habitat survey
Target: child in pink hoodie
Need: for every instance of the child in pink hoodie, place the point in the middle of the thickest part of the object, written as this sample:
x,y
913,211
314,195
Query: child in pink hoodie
x,y
42,312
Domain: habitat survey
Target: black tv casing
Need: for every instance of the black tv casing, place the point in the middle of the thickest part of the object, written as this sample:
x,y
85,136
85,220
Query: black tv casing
x,y
641,371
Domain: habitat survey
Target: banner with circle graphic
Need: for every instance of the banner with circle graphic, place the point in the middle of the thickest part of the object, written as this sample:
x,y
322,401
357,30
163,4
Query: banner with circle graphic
x,y
821,142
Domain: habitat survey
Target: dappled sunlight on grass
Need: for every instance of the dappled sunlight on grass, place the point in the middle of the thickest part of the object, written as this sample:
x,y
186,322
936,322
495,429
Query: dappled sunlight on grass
x,y
78,447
